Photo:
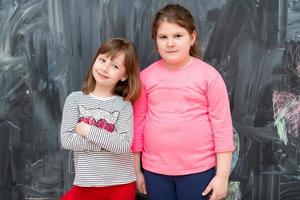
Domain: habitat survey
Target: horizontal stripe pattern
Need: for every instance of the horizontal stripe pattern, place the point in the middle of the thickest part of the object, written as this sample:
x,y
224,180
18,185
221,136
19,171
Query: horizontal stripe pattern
x,y
102,158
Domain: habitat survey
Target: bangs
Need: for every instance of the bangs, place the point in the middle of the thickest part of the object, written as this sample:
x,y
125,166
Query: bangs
x,y
112,50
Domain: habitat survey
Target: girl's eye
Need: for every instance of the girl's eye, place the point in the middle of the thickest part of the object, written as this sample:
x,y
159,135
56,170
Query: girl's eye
x,y
163,37
178,36
115,67
102,60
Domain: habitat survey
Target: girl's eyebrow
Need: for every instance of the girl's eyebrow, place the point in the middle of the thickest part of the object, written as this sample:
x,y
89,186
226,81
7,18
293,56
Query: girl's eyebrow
x,y
115,62
176,33
105,58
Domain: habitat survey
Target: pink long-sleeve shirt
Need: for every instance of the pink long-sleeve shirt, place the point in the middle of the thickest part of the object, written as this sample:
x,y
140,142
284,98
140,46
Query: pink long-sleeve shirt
x,y
182,118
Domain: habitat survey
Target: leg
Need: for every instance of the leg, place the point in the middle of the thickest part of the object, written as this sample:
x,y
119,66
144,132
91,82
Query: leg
x,y
159,187
126,191
191,186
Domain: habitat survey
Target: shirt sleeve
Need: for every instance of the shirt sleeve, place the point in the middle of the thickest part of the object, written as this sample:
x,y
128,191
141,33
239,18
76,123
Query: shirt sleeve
x,y
69,138
120,140
140,108
220,116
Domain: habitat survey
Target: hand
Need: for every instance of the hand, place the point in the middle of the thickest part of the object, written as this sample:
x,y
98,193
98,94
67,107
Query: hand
x,y
140,183
218,188
82,128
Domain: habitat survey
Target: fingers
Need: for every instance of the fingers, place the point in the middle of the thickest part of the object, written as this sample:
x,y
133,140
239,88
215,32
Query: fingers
x,y
207,190
144,191
142,188
213,197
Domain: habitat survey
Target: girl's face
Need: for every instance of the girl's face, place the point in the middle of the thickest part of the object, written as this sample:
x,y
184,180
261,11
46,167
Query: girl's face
x,y
174,43
108,72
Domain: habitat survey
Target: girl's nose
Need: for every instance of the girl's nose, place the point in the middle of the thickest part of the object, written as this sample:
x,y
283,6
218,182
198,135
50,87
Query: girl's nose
x,y
170,42
105,67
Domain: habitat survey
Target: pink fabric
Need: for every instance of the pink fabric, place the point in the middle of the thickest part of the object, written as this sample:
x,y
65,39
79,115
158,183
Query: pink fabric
x,y
182,119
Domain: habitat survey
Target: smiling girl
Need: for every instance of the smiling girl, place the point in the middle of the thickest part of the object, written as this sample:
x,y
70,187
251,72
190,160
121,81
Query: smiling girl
x,y
97,125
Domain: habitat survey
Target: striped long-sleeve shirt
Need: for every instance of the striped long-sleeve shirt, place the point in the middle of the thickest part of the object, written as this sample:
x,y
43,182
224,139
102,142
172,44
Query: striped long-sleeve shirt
x,y
104,157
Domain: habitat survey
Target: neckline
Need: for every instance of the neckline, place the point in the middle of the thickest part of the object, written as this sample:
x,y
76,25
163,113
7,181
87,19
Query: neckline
x,y
185,67
102,98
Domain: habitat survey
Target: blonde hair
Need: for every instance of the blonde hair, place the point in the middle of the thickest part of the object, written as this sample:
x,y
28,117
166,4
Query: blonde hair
x,y
129,89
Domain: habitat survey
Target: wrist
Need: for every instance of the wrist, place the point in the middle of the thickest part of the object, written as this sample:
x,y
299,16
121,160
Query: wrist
x,y
222,176
86,129
138,171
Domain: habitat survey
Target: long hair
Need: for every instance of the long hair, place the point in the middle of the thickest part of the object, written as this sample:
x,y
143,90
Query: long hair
x,y
175,13
129,89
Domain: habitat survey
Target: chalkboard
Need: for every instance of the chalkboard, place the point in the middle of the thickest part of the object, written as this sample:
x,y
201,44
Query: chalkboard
x,y
46,47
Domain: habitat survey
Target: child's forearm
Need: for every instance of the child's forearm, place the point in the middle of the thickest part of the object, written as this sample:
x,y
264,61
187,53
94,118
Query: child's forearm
x,y
118,140
137,162
223,164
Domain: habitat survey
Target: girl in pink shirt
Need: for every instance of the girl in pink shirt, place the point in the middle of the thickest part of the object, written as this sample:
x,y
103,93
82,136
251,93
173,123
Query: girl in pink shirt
x,y
183,127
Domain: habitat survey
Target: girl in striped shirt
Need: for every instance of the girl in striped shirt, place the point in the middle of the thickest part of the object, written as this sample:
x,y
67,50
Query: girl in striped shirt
x,y
97,125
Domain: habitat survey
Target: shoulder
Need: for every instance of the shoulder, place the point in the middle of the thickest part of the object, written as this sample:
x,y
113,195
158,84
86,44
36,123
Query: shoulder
x,y
74,95
207,71
78,97
206,68
123,103
153,68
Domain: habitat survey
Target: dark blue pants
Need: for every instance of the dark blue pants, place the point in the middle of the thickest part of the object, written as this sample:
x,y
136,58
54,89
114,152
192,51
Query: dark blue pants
x,y
185,187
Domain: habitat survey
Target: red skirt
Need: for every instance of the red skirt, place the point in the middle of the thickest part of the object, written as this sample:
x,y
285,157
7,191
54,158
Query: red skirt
x,y
124,192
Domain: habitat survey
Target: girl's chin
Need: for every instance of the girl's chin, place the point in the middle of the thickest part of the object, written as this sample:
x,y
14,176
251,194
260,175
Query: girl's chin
x,y
172,61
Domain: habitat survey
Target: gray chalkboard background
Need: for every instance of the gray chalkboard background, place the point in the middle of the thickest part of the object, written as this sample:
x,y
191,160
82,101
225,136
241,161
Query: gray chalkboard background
x,y
46,47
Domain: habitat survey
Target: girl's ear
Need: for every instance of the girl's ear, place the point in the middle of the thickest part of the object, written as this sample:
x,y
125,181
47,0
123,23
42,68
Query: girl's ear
x,y
124,78
193,37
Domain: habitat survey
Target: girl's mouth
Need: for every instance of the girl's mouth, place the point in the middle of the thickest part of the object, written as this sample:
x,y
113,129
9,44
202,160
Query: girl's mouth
x,y
171,51
102,76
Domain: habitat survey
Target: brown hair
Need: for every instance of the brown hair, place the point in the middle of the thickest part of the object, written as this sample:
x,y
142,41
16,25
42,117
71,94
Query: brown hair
x,y
129,89
175,13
